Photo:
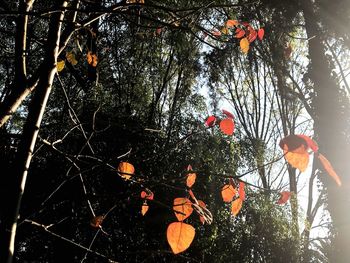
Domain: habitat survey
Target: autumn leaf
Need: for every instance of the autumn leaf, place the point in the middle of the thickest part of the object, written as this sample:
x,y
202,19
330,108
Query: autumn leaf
x,y
224,30
284,197
60,65
191,177
210,122
70,56
310,142
182,208
227,126
92,59
261,33
202,204
329,169
228,114
228,192
144,208
180,236
96,221
126,170
239,33
236,206
252,34
298,159
148,195
231,23
244,44
241,190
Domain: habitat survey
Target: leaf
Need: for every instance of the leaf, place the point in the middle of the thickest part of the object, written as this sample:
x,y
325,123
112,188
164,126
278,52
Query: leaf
x,y
60,65
144,208
224,30
244,44
298,159
92,59
329,169
96,221
239,33
216,33
231,23
261,33
191,179
241,190
284,197
228,114
182,208
126,170
292,142
228,192
227,126
252,34
148,195
236,206
180,236
310,142
202,204
70,56
210,122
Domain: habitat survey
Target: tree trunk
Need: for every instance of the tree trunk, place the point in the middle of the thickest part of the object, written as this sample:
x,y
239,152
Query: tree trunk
x,y
331,128
32,126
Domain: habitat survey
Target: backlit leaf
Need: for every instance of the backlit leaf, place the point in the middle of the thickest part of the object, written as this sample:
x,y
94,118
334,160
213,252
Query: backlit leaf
x,y
148,195
60,65
241,190
284,197
126,170
252,34
261,33
227,126
231,23
236,206
92,59
70,56
228,114
244,44
144,209
182,208
329,168
96,221
191,179
180,236
298,159
228,192
210,122
239,33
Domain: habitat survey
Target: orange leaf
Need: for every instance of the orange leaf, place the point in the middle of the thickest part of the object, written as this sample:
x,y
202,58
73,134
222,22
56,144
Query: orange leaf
x,y
210,122
284,197
261,33
231,23
241,190
244,44
236,206
202,204
227,126
92,59
126,170
328,167
228,114
182,208
180,236
298,158
239,33
252,34
191,179
148,194
228,192
97,221
144,208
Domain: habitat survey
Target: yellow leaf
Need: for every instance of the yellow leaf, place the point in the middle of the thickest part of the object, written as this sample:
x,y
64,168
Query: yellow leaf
x,y
180,236
126,170
182,208
60,65
236,206
70,56
224,30
244,44
144,209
